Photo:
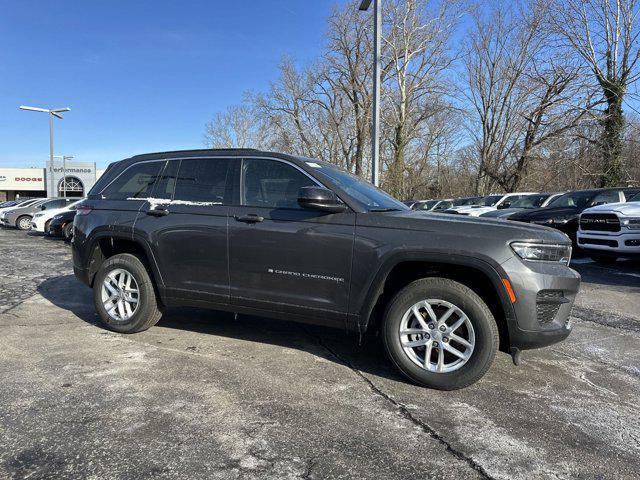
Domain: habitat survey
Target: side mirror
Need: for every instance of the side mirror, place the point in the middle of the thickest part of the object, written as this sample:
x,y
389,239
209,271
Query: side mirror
x,y
504,205
43,207
319,198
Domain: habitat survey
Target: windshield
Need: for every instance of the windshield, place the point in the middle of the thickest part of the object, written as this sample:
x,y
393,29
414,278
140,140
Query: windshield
x,y
490,201
428,205
459,202
530,201
372,198
573,199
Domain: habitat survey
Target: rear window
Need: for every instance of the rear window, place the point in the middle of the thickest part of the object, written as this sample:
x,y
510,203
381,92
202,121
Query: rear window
x,y
202,180
135,182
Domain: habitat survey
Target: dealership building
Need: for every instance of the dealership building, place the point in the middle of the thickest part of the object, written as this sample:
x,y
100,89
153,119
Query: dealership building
x,y
72,179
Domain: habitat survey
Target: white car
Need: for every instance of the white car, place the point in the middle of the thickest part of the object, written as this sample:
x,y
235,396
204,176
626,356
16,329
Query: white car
x,y
40,221
612,230
491,203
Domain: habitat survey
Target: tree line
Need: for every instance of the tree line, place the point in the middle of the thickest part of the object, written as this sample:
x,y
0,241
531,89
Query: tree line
x,y
534,95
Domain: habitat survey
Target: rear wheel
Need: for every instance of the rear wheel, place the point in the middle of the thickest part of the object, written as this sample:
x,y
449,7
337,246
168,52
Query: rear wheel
x,y
124,296
46,227
440,334
24,222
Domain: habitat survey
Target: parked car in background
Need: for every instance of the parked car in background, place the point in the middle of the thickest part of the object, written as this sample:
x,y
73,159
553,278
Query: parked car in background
x,y
61,225
488,204
563,212
299,239
40,221
16,203
21,215
528,202
433,205
410,203
465,201
608,232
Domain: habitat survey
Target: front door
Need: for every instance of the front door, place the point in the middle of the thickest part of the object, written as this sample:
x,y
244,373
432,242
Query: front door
x,y
283,257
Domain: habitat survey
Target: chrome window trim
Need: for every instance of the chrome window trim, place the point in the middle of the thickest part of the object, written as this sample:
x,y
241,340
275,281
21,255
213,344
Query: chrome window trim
x,y
210,157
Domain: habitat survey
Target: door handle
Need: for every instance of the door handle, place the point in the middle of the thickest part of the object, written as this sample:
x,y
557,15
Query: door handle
x,y
250,218
158,212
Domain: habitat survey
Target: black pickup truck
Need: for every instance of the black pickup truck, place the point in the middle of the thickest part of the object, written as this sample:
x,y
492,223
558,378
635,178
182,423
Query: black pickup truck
x,y
299,239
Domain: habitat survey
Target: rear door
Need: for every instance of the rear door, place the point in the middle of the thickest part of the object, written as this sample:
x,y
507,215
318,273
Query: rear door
x,y
283,257
125,195
186,225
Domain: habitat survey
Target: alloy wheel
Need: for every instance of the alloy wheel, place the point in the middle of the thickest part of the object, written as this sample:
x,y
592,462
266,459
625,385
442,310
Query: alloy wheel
x,y
120,295
437,336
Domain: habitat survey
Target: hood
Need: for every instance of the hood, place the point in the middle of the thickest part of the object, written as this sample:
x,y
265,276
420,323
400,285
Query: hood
x,y
477,211
475,228
545,213
505,212
626,208
53,212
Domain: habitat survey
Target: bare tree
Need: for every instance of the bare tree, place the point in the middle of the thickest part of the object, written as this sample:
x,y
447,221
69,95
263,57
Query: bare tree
x,y
417,53
238,127
521,94
604,35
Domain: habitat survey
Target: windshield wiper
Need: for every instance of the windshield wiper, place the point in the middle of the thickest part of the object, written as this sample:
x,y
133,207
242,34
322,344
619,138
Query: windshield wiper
x,y
384,210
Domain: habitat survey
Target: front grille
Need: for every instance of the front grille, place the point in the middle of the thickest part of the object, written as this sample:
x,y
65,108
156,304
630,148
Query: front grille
x,y
547,305
598,241
632,243
600,222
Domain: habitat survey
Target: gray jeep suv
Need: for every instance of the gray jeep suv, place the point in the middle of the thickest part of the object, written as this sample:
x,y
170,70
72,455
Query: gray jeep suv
x,y
299,239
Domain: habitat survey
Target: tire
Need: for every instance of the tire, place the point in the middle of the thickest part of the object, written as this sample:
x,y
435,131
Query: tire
x,y
147,312
481,330
23,222
603,259
67,232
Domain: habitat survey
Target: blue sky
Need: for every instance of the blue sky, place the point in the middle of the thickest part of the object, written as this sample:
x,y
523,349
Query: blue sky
x,y
138,76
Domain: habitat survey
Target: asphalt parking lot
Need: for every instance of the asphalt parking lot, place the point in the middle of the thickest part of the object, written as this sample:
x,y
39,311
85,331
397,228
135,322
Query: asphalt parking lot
x,y
204,395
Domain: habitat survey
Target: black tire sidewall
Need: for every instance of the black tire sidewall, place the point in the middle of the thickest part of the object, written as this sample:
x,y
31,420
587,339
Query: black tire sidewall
x,y
485,329
147,313
67,232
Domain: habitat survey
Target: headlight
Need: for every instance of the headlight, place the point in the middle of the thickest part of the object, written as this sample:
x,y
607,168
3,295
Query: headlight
x,y
631,223
38,215
540,252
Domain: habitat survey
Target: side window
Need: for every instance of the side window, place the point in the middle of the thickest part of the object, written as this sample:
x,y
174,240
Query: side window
x,y
606,197
167,183
272,184
136,182
202,180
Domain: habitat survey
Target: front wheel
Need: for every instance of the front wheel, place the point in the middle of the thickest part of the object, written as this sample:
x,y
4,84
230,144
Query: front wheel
x,y
68,232
440,334
24,222
124,296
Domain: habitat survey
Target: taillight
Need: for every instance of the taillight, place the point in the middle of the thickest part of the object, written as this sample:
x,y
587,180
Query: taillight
x,y
83,211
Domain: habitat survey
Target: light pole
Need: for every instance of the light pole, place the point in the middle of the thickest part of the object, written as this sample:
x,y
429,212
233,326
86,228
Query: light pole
x,y
64,172
375,117
52,113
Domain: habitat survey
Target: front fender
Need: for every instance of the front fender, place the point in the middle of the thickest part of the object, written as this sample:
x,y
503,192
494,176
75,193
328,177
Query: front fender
x,y
365,305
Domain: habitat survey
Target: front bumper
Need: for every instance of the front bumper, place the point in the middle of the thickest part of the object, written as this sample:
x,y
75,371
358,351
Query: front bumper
x,y
622,243
545,293
56,229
